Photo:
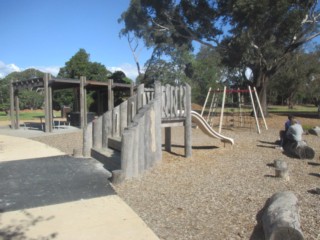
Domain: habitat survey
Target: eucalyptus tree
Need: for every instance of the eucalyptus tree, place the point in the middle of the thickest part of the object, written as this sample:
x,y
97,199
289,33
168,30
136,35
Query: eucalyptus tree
x,y
205,71
298,79
259,34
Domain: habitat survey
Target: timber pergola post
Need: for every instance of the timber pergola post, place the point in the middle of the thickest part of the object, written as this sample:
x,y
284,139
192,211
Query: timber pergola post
x,y
48,111
83,103
110,95
14,107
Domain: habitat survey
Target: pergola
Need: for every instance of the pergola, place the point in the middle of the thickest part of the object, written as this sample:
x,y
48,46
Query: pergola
x,y
51,84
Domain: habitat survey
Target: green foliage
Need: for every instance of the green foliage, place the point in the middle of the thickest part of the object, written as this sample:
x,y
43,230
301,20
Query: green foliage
x,y
120,77
259,34
28,98
169,71
206,72
80,65
171,23
297,79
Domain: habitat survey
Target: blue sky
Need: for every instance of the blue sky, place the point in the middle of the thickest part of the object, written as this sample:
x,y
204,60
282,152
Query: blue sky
x,y
44,34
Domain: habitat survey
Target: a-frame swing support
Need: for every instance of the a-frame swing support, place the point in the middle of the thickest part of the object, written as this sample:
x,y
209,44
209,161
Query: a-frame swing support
x,y
254,108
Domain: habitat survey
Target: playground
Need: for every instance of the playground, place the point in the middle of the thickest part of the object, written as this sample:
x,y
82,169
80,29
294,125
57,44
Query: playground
x,y
219,192
188,181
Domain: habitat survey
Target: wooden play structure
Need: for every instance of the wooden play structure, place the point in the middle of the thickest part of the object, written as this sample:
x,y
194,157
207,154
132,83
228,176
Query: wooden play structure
x,y
104,90
134,129
127,138
243,105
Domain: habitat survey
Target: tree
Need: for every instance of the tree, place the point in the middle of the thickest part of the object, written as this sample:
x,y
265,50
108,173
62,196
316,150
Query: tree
x,y
263,34
29,98
205,72
297,78
259,34
120,77
79,65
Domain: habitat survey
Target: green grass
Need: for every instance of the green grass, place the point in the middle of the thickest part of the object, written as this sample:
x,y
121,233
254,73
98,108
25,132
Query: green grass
x,y
28,115
295,109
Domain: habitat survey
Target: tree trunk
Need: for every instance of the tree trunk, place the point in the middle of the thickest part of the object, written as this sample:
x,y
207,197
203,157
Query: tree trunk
x,y
262,86
281,218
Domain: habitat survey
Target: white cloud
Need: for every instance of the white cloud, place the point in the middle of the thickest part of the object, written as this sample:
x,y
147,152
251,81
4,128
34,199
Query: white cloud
x,y
54,70
129,69
5,69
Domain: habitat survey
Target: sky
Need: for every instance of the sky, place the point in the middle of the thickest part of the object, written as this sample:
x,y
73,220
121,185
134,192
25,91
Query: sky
x,y
45,34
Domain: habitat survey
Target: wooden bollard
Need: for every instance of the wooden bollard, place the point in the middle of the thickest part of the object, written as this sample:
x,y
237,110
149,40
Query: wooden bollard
x,y
77,153
117,177
281,169
281,217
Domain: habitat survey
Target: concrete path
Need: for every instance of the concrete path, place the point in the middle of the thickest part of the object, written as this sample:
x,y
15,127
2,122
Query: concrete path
x,y
45,194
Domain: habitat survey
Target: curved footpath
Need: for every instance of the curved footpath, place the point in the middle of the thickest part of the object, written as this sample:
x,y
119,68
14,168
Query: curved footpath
x,y
46,194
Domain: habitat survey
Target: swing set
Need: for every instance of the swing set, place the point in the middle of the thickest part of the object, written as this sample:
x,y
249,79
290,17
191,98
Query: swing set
x,y
238,98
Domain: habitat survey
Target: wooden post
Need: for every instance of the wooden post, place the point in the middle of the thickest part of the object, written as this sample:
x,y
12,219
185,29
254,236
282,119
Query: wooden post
x,y
281,217
158,111
281,169
110,95
140,92
50,104
141,144
106,128
17,105
167,137
126,153
12,109
188,124
135,150
123,116
131,89
147,138
152,134
97,133
46,103
117,176
83,103
87,140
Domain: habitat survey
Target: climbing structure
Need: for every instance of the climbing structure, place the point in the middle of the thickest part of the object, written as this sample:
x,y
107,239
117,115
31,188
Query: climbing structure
x,y
235,106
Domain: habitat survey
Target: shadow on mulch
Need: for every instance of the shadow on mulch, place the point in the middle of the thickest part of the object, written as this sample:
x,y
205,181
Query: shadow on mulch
x,y
258,233
265,146
315,174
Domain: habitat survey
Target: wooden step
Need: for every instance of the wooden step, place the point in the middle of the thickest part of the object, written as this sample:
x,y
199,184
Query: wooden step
x,y
110,158
115,143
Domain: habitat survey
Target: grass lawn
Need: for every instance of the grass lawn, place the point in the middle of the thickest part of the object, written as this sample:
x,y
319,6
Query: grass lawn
x,y
296,109
28,115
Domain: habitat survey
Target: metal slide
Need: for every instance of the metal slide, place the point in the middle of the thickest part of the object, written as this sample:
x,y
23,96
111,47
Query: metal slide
x,y
205,127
